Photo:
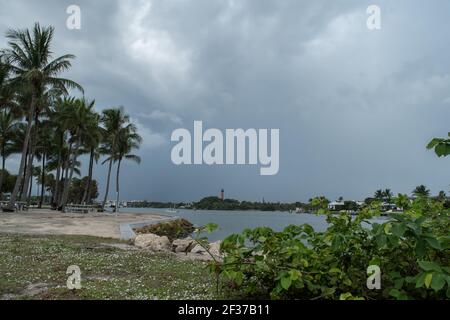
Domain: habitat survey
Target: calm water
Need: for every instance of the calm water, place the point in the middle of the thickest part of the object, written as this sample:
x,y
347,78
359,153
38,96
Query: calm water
x,y
231,222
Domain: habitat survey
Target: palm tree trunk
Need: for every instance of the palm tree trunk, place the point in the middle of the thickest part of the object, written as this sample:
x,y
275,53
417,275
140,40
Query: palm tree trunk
x,y
58,176
15,192
68,181
42,181
3,166
56,186
29,191
107,182
87,191
117,187
65,175
28,173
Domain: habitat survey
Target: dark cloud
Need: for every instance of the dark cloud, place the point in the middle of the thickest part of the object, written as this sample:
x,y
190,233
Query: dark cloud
x,y
355,107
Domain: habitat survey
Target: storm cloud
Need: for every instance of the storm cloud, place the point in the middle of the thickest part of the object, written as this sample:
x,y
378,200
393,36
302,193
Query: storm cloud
x,y
355,107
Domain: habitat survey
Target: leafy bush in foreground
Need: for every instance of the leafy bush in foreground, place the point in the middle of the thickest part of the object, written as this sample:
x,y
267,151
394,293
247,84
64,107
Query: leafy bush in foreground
x,y
412,250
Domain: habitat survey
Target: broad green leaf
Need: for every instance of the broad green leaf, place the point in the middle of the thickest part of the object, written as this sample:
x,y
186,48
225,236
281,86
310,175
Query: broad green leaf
x,y
429,266
295,274
420,248
428,279
438,282
387,228
420,280
433,242
286,282
399,229
345,296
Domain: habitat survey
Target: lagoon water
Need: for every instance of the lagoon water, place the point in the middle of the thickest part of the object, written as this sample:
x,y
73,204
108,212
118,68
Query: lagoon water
x,y
231,222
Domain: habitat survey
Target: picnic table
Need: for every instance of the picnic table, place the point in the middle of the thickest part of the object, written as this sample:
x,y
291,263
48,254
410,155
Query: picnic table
x,y
19,205
78,208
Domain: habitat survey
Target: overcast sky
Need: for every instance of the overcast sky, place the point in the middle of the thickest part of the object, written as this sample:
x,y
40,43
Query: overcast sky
x,y
355,107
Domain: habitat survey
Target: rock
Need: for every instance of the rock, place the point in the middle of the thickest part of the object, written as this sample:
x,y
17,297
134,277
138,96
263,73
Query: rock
x,y
198,249
214,248
153,242
183,245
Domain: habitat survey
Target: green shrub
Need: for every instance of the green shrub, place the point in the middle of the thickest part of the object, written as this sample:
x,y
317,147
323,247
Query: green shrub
x,y
175,229
412,250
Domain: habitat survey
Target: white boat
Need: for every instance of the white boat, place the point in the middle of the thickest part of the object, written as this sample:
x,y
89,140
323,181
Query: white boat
x,y
172,210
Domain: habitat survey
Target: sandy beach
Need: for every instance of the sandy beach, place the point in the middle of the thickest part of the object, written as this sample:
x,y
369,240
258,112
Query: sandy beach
x,y
56,223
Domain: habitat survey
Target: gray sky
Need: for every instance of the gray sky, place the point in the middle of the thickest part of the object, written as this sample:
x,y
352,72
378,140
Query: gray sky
x,y
355,108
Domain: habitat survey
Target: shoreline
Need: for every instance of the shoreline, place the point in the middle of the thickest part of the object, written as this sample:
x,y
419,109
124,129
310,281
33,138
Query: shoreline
x,y
48,222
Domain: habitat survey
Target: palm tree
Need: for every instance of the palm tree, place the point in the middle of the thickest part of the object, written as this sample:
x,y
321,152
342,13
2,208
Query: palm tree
x,y
92,144
29,59
128,141
44,146
379,195
421,191
402,201
79,120
388,195
9,131
113,120
7,92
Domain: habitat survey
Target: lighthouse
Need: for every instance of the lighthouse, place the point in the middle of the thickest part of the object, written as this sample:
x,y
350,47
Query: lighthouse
x,y
222,195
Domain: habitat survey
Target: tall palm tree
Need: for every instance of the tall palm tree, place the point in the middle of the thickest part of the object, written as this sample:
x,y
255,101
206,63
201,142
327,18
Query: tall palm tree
x,y
29,58
9,131
128,140
113,120
59,155
44,146
7,90
92,145
79,120
421,191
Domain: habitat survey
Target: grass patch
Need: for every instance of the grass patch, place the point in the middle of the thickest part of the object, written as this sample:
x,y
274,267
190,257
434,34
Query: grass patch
x,y
106,272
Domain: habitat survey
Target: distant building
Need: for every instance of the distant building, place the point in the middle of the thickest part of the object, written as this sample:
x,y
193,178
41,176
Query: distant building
x,y
222,195
336,205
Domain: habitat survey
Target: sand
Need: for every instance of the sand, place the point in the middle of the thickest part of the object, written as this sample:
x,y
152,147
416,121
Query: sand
x,y
47,222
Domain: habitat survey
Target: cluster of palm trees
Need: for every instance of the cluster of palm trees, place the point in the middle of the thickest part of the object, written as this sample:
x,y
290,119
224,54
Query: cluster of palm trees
x,y
419,191
42,122
384,195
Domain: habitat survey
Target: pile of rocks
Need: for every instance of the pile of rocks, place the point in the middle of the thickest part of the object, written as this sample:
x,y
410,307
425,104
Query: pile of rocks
x,y
182,247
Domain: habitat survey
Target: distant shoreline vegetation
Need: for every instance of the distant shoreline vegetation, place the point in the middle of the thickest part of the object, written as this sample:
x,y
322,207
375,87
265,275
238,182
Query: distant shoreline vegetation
x,y
387,202
214,203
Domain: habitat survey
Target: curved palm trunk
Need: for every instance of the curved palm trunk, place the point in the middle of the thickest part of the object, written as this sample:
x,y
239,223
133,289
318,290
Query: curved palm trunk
x,y
107,183
87,191
30,191
18,183
117,186
42,181
68,181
